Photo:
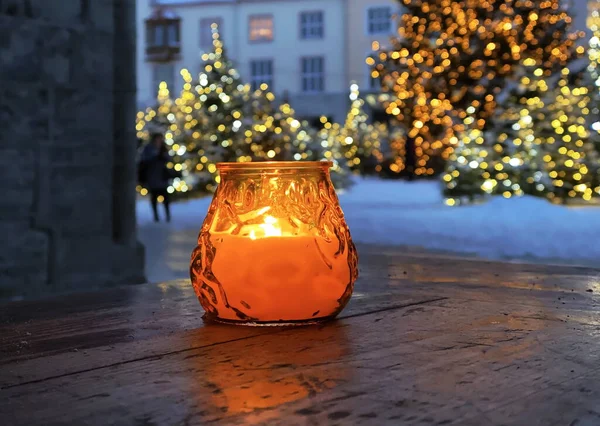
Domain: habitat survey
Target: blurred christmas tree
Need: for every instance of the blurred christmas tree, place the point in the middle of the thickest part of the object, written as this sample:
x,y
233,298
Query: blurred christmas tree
x,y
570,157
594,72
273,133
515,157
394,153
221,99
593,24
360,141
327,145
259,107
452,55
329,139
157,118
468,165
594,117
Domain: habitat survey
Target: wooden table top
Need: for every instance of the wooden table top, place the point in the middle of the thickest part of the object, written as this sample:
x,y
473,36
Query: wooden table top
x,y
427,340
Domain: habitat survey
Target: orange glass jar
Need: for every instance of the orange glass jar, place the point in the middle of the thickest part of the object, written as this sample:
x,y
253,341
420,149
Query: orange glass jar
x,y
274,248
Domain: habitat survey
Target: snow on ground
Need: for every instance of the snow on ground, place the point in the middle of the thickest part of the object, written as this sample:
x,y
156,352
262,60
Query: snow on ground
x,y
412,214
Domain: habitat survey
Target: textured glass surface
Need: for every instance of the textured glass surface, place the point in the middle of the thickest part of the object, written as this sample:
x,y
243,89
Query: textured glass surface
x,y
274,247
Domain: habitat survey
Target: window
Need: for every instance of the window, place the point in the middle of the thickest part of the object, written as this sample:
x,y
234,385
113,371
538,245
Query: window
x,y
206,40
379,20
155,35
313,74
260,28
163,72
162,34
173,34
261,71
311,25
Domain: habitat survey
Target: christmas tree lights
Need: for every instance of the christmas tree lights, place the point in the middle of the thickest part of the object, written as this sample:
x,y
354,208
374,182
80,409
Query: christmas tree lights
x,y
328,143
515,157
360,140
220,93
593,23
570,157
273,133
467,177
451,55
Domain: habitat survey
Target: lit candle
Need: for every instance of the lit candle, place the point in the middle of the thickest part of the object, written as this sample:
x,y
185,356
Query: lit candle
x,y
274,247
272,275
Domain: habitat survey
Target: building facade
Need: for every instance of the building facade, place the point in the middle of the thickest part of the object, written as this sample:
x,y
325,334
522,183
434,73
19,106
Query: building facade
x,y
308,51
298,47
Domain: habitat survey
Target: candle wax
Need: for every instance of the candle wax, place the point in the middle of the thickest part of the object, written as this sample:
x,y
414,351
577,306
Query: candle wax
x,y
279,277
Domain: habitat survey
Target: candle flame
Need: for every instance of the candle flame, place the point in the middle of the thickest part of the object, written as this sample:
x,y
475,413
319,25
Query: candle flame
x,y
269,228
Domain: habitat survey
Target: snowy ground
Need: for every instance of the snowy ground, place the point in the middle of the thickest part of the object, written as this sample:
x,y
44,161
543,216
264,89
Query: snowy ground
x,y
412,214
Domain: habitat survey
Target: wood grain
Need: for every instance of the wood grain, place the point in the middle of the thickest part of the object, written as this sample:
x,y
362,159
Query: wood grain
x,y
427,339
109,336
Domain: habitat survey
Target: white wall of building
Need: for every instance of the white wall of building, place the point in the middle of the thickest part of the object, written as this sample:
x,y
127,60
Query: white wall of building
x,y
287,48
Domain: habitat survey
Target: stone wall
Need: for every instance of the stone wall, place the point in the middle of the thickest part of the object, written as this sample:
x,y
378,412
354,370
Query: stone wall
x,y
67,146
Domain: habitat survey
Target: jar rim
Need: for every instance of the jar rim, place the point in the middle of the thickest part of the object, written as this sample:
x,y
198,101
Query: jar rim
x,y
271,165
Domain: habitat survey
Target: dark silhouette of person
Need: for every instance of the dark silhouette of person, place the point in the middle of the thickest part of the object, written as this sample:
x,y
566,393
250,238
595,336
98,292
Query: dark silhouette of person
x,y
155,157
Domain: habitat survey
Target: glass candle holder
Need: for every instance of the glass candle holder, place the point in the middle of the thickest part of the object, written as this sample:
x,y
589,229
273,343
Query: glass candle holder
x,y
274,248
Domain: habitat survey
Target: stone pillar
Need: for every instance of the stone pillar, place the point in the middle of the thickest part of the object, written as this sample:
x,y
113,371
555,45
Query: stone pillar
x,y
124,110
67,156
128,256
